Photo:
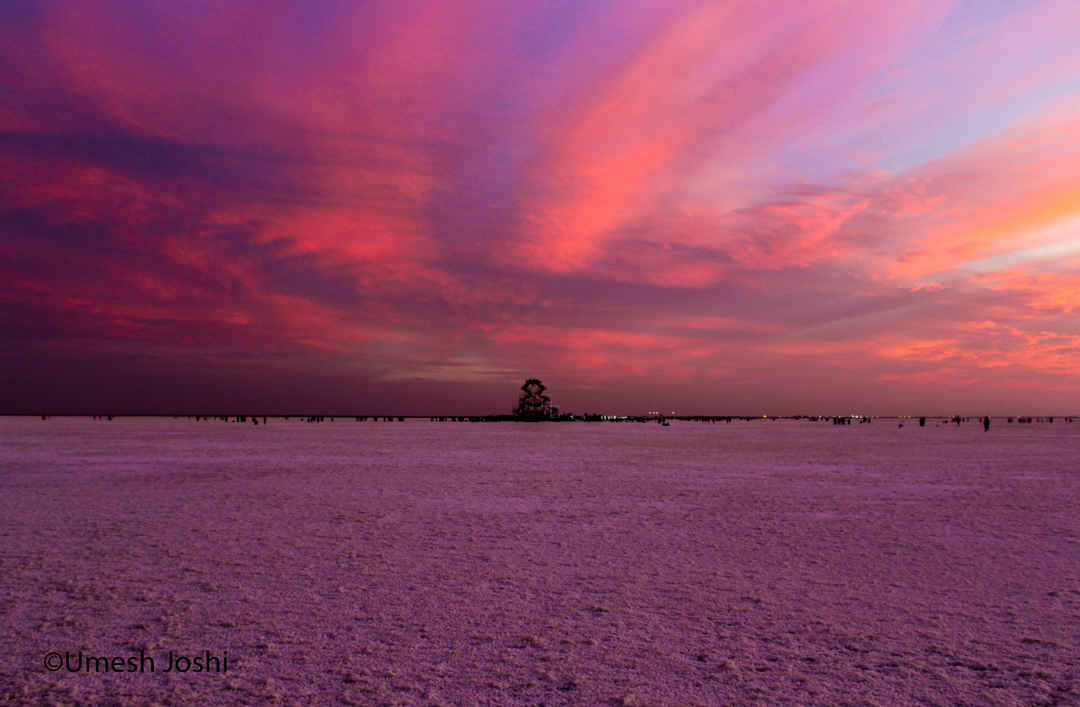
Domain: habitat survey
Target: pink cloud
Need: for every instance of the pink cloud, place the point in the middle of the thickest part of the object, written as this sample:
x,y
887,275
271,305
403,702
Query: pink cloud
x,y
708,196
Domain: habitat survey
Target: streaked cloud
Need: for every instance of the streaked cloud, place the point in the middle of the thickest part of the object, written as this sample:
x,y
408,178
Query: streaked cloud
x,y
711,207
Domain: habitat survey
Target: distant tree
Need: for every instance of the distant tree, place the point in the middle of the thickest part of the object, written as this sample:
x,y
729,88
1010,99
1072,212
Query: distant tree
x,y
533,404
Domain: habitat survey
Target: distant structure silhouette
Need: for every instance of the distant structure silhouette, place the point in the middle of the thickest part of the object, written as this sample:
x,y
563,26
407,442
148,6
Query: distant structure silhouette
x,y
533,405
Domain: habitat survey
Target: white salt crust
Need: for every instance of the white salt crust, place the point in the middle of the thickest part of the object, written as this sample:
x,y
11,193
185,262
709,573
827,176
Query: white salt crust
x,y
456,563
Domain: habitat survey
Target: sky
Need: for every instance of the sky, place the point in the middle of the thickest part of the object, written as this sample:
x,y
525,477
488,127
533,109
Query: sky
x,y
410,206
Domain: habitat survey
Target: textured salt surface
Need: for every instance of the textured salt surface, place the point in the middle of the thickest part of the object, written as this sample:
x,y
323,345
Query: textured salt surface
x,y
575,563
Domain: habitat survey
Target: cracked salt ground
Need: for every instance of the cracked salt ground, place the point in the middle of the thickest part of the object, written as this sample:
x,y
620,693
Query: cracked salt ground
x,y
428,563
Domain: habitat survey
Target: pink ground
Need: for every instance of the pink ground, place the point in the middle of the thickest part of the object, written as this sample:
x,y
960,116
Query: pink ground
x,y
558,563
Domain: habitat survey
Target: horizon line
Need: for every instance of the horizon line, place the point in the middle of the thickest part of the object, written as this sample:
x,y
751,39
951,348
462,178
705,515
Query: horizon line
x,y
367,417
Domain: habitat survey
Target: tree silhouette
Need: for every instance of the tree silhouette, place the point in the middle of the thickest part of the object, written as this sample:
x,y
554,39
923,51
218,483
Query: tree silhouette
x,y
533,404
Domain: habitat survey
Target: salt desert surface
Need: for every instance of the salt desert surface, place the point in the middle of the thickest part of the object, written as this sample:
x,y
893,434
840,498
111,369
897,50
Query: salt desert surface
x,y
416,562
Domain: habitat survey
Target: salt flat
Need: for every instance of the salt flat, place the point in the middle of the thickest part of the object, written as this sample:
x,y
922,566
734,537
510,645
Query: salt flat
x,y
416,562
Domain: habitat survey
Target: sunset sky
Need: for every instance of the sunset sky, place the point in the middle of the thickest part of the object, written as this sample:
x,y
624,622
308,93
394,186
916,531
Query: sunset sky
x,y
408,207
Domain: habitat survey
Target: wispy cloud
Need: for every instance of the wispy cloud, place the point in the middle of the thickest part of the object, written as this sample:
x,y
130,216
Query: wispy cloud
x,y
746,204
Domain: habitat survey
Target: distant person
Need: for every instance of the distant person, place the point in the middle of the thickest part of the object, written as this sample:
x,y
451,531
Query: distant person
x,y
986,424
